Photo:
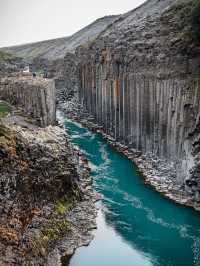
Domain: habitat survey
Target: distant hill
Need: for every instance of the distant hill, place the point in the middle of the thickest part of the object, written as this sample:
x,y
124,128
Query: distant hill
x,y
6,57
57,48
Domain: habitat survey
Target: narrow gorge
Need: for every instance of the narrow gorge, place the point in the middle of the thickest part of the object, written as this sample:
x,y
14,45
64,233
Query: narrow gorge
x,y
45,190
100,143
140,81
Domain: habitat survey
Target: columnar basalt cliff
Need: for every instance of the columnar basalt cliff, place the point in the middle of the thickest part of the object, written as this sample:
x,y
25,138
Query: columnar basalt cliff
x,y
35,96
46,200
141,81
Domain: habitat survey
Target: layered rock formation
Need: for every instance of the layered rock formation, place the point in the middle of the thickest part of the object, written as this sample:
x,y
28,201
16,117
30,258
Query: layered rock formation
x,y
140,80
35,96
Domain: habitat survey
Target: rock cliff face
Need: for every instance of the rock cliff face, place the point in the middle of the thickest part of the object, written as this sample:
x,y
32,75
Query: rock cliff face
x,y
140,79
66,80
35,96
45,192
52,56
45,195
46,199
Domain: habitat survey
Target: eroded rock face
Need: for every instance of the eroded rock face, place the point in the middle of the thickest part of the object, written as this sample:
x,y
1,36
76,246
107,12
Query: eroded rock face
x,y
46,200
140,80
25,159
34,96
45,195
67,80
36,170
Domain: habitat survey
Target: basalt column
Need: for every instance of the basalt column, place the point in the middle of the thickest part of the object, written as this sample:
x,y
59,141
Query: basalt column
x,y
148,112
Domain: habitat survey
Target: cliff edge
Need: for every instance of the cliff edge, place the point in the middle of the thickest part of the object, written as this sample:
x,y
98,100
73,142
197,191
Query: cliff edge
x,y
140,81
46,200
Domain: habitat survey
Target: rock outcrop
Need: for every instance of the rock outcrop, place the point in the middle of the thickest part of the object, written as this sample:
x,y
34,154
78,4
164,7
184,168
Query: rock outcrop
x,y
52,56
44,193
140,81
34,96
46,200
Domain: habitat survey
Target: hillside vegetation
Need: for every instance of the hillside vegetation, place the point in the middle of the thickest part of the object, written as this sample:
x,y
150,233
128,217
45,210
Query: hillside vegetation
x,y
4,109
4,56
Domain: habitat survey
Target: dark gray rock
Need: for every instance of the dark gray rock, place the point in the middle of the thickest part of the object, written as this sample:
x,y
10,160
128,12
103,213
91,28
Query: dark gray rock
x,y
140,81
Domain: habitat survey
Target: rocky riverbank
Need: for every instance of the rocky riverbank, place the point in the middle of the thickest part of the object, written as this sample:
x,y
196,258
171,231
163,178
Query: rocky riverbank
x,y
47,201
157,172
140,81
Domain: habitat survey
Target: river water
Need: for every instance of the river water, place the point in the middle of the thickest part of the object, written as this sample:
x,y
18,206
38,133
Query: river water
x,y
136,225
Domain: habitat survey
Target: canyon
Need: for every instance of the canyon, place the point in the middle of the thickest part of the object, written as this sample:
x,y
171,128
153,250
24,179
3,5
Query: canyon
x,y
45,187
134,78
140,81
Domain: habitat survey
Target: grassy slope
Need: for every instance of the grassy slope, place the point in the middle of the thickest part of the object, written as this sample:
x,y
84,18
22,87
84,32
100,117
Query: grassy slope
x,y
4,56
4,109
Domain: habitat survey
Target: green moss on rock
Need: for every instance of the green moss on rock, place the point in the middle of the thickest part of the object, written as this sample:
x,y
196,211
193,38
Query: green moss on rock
x,y
4,109
52,232
64,205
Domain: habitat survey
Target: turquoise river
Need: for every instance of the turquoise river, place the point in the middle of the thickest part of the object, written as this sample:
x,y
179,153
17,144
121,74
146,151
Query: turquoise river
x,y
136,225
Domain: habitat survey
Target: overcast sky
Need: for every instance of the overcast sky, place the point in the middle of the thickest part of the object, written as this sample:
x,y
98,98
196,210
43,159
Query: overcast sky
x,y
24,21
